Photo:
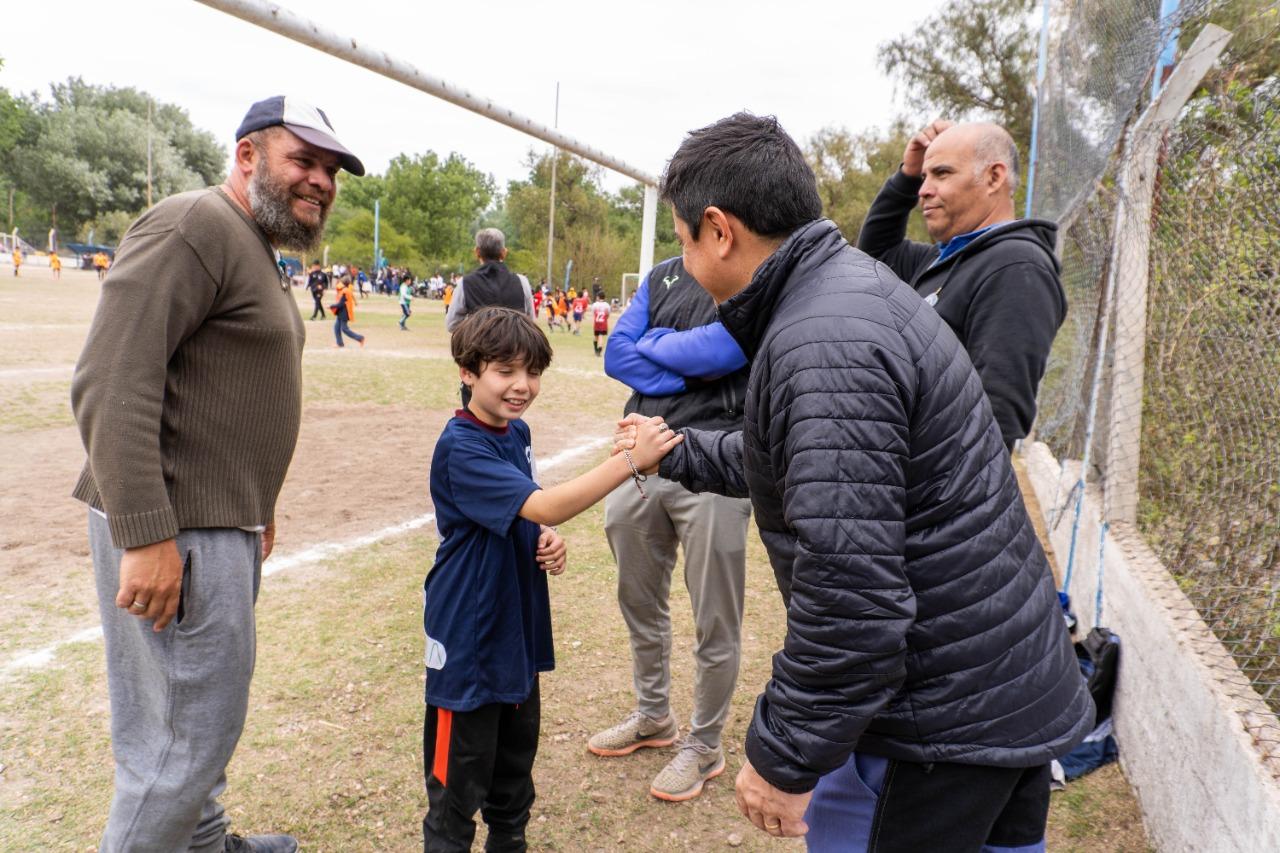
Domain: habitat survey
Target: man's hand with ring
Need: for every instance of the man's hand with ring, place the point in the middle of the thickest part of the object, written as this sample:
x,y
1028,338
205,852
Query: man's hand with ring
x,y
151,582
552,553
625,436
773,811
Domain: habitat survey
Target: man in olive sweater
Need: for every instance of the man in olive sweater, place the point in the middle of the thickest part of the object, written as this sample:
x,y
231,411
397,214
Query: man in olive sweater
x,y
188,398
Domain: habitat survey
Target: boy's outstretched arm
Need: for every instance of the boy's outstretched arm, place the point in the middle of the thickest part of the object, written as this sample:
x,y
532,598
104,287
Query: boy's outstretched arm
x,y
653,440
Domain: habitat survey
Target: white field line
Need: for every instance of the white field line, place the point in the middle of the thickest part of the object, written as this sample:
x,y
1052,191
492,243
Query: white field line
x,y
33,372
40,658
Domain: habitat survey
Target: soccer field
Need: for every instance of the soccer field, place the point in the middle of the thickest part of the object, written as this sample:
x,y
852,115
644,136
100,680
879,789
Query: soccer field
x,y
332,748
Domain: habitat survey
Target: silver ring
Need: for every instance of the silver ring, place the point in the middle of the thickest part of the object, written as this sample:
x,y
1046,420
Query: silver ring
x,y
773,826
664,428
138,604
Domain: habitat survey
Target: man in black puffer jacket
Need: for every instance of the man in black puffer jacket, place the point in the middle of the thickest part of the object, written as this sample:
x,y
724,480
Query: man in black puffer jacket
x,y
927,679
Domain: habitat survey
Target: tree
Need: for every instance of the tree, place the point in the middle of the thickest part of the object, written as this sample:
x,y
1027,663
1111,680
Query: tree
x,y
975,59
436,204
591,227
84,153
352,242
851,168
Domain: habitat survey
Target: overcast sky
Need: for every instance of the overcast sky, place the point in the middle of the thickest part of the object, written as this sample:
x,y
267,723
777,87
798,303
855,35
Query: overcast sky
x,y
634,77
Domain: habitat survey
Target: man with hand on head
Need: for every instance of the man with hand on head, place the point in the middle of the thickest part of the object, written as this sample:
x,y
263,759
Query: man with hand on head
x,y
188,395
926,679
992,277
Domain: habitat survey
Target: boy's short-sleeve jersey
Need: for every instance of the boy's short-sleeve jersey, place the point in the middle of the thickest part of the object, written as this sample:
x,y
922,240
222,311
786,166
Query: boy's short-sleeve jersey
x,y
486,611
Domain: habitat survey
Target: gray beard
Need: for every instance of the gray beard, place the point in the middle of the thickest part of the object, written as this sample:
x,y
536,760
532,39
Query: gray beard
x,y
272,207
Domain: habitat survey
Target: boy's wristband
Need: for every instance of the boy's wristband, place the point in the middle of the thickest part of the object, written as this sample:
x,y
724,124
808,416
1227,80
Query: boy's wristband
x,y
636,475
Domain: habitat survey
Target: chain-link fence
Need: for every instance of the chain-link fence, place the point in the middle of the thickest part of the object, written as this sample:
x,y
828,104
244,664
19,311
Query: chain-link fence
x,y
1172,267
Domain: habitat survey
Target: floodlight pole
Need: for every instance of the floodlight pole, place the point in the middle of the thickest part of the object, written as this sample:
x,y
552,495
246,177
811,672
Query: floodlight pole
x,y
277,19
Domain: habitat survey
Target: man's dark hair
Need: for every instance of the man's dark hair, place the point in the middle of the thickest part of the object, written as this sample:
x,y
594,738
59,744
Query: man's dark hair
x,y
746,165
500,334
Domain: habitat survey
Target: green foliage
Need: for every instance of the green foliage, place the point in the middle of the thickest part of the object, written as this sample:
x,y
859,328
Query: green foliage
x,y
598,231
851,168
429,210
83,153
1253,54
107,228
438,204
352,242
974,59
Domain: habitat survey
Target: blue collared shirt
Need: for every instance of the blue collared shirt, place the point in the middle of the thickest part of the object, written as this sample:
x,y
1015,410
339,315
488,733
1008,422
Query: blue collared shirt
x,y
958,242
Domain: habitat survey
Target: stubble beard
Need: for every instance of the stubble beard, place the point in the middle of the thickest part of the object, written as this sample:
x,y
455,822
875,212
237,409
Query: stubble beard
x,y
272,205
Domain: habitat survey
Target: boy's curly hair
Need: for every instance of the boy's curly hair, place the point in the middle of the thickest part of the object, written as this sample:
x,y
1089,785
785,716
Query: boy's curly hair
x,y
500,334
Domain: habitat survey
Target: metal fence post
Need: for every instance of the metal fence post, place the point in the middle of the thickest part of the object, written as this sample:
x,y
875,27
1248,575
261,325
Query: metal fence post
x,y
1130,260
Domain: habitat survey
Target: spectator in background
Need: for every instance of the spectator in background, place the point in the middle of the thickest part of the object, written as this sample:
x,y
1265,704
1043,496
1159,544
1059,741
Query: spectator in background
x,y
100,264
55,265
17,261
317,284
491,283
344,311
991,276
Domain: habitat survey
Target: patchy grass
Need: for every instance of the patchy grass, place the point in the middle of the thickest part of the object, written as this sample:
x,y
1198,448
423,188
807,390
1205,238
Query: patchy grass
x,y
35,405
332,749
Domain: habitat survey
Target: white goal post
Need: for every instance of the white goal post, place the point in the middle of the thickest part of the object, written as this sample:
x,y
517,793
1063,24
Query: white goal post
x,y
630,284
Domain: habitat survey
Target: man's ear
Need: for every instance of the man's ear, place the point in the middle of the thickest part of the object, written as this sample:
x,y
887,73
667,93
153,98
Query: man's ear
x,y
716,222
504,254
997,176
468,378
245,156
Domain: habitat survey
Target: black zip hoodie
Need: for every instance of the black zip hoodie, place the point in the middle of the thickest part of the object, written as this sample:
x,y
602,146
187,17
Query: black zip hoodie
x,y
1000,294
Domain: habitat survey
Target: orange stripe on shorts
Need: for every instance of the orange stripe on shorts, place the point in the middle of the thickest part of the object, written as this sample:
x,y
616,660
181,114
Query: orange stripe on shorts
x,y
444,728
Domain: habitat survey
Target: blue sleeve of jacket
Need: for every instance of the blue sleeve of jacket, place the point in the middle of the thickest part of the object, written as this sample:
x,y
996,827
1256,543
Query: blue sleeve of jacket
x,y
707,352
625,363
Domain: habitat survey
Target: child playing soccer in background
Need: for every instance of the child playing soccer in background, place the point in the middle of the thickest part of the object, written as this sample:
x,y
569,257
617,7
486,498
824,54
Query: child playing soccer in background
x,y
599,322
486,612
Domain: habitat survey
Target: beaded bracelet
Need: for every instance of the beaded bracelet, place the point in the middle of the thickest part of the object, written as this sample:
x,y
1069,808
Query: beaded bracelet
x,y
636,475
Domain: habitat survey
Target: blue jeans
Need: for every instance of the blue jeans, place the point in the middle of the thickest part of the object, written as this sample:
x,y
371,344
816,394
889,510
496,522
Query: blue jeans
x,y
341,328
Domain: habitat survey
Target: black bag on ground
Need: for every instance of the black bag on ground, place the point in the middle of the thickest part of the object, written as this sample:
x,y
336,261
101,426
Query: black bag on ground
x,y
1099,656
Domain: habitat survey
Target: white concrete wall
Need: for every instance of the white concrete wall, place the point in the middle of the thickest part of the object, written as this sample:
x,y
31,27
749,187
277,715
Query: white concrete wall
x,y
1199,746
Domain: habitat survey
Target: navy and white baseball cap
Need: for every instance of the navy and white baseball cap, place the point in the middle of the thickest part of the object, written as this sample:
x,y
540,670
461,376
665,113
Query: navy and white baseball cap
x,y
305,120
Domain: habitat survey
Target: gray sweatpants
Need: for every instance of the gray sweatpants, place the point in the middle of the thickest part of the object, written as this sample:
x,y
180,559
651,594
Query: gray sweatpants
x,y
178,698
643,535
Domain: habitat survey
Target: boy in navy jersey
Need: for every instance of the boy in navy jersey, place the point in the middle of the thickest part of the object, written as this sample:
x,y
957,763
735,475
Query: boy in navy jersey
x,y
486,611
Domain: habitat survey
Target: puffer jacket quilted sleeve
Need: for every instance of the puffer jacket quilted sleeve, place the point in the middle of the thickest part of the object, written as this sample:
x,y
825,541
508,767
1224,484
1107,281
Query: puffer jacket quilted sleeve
x,y
712,463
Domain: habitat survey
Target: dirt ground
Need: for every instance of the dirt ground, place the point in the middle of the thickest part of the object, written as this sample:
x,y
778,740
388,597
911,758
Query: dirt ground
x,y
331,747
359,464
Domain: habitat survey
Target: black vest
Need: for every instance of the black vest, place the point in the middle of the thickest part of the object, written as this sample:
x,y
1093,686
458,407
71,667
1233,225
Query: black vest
x,y
677,301
492,284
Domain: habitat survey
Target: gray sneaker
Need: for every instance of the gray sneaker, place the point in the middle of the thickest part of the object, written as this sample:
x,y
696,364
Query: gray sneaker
x,y
636,731
261,844
693,765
